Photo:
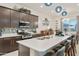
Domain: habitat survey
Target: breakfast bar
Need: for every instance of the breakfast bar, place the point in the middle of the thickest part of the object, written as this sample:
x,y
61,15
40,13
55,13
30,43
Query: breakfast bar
x,y
37,47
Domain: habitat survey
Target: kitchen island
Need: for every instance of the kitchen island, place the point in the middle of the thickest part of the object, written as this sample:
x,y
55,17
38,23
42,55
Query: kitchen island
x,y
37,47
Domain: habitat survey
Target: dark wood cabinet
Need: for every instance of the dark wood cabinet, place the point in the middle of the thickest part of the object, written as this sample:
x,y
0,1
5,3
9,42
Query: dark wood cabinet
x,y
10,18
30,18
15,17
6,45
4,17
14,44
33,18
23,17
9,44
1,47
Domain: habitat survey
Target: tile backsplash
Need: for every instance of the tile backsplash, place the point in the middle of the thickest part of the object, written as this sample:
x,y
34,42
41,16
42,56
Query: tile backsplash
x,y
14,30
8,30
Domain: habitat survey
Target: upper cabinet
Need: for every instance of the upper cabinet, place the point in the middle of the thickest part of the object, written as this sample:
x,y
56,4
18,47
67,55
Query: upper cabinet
x,y
10,18
23,17
33,18
15,17
4,17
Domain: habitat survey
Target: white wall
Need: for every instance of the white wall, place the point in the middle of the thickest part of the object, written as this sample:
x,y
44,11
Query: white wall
x,y
41,16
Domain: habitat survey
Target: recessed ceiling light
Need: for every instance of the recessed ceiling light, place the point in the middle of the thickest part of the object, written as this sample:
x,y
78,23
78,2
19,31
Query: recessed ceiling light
x,y
41,6
52,11
78,4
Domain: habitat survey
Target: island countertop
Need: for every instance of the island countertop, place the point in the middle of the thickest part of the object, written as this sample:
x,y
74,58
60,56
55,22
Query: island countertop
x,y
43,45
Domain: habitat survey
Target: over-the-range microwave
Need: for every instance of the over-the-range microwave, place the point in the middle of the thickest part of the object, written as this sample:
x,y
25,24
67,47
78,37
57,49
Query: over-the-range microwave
x,y
24,24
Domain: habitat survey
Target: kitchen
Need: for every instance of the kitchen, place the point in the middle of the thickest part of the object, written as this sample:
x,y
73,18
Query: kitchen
x,y
37,29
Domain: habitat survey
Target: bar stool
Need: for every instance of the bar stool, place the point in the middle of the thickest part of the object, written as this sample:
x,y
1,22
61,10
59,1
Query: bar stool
x,y
77,38
53,52
73,46
50,53
70,49
59,50
67,49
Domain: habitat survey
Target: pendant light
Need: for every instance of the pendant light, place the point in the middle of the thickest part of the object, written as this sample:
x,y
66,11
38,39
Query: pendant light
x,y
64,13
58,9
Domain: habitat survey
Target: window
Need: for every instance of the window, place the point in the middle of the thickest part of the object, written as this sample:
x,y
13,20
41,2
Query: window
x,y
69,24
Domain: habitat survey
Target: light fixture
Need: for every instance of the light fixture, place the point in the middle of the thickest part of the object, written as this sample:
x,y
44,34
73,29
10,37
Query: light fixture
x,y
58,9
78,4
48,4
41,6
64,13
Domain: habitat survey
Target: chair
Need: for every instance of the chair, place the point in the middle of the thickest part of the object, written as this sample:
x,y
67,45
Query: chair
x,y
77,38
70,49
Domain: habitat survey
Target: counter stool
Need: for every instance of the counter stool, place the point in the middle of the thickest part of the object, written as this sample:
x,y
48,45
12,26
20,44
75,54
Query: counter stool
x,y
53,51
67,49
73,46
58,50
77,38
50,53
70,49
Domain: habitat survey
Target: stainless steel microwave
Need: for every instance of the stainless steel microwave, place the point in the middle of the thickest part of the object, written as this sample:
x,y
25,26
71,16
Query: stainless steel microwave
x,y
23,23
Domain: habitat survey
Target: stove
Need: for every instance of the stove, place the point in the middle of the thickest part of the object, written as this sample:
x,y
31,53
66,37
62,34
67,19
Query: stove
x,y
26,36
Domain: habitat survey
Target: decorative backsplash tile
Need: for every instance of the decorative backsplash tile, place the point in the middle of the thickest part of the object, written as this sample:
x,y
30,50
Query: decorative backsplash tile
x,y
8,30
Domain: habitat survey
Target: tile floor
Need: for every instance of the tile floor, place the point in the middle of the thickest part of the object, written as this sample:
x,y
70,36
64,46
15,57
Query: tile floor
x,y
15,53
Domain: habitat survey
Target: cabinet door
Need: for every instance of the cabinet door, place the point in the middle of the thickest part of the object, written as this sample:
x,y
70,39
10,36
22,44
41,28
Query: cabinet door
x,y
4,17
6,45
15,17
33,18
1,46
23,17
10,44
14,42
30,18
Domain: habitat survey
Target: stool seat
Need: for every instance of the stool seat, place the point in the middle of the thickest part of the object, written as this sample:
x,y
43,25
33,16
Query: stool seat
x,y
57,48
49,54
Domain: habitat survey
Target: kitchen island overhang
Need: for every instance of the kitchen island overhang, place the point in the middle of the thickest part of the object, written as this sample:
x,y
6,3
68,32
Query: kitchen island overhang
x,y
40,46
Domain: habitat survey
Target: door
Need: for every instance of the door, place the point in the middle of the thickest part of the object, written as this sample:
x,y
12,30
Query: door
x,y
15,17
4,17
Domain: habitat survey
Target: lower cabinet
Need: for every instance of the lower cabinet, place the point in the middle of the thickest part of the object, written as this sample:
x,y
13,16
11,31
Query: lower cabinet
x,y
1,47
8,44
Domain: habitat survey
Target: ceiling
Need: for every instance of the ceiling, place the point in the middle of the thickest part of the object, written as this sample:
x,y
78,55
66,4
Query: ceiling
x,y
71,8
